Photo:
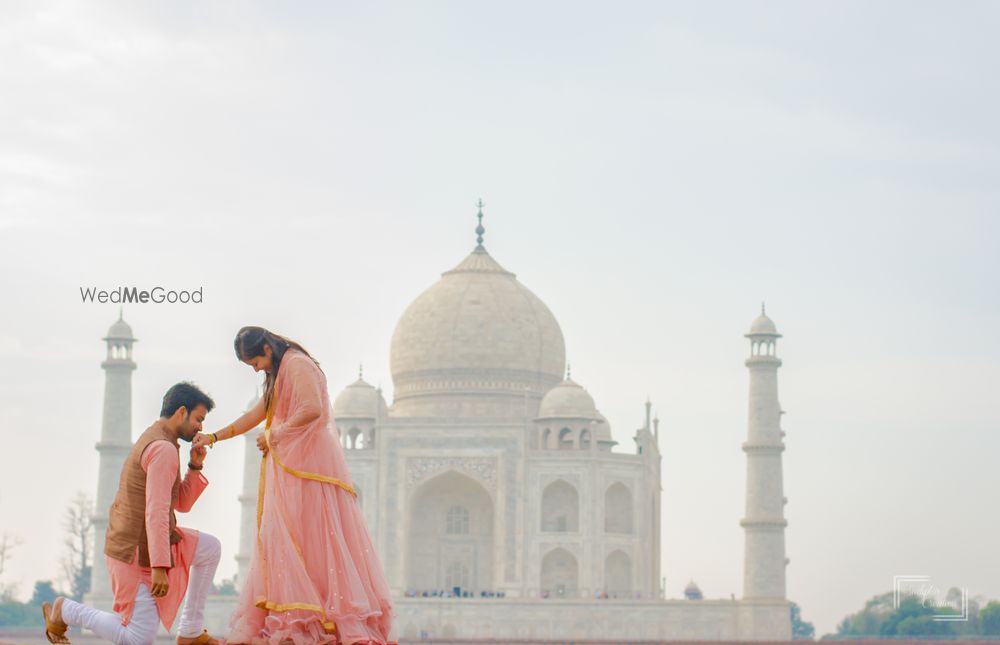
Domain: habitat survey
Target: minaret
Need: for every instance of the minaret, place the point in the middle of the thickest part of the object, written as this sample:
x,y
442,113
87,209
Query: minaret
x,y
114,446
248,499
647,442
657,487
764,523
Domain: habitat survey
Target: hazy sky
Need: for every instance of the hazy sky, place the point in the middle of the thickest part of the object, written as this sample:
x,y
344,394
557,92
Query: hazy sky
x,y
652,171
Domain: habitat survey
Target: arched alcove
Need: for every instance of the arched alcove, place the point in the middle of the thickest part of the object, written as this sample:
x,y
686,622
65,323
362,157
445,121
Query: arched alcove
x,y
618,509
559,575
618,574
560,508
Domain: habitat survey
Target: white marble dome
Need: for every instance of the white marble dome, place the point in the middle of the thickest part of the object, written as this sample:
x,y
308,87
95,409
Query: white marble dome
x,y
568,400
476,343
359,400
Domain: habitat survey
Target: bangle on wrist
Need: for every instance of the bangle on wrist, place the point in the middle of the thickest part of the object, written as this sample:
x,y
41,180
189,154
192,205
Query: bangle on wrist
x,y
191,466
213,438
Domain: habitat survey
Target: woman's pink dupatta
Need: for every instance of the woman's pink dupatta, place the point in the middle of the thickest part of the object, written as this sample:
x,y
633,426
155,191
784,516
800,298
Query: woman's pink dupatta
x,y
314,576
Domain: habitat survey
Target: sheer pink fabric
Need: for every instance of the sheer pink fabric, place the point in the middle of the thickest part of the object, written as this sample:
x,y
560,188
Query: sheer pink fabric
x,y
314,575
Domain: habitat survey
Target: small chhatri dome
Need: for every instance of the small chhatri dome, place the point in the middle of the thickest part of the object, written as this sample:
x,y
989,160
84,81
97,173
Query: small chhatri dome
x,y
120,330
359,400
602,430
568,400
763,325
692,592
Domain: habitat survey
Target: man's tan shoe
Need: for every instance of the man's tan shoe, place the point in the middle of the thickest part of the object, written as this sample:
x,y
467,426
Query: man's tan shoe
x,y
201,639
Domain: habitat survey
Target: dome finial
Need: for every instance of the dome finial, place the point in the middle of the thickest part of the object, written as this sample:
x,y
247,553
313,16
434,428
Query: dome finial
x,y
361,371
121,312
569,371
762,313
479,229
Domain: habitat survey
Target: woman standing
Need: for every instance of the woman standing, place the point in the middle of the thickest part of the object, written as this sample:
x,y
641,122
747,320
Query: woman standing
x,y
314,576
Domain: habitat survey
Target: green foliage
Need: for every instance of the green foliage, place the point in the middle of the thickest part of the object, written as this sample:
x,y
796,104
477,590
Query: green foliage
x,y
80,583
868,621
227,588
989,619
914,618
19,614
27,614
801,630
44,592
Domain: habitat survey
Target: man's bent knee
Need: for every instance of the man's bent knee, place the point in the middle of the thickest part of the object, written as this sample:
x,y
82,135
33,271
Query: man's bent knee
x,y
211,547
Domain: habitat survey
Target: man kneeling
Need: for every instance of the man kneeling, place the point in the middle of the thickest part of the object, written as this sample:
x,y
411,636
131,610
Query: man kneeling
x,y
149,557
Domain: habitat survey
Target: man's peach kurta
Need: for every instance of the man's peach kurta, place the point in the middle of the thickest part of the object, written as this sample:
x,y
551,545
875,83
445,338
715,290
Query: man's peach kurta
x,y
161,462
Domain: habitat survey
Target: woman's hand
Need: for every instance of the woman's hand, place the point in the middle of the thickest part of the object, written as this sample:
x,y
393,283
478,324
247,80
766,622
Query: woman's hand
x,y
201,441
262,443
275,434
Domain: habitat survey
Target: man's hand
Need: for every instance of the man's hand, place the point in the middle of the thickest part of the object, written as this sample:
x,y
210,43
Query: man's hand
x,y
262,443
160,582
201,440
198,455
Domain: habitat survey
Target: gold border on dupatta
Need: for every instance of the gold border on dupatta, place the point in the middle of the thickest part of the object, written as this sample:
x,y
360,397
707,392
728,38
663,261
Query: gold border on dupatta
x,y
263,603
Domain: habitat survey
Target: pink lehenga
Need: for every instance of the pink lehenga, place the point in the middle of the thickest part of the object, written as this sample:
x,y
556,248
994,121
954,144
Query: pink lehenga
x,y
314,576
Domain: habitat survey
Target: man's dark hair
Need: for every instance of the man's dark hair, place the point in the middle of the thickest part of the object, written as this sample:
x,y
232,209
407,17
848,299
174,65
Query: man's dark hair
x,y
187,395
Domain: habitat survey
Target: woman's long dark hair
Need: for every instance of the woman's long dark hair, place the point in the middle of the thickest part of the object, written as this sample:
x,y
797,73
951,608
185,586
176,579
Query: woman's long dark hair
x,y
250,342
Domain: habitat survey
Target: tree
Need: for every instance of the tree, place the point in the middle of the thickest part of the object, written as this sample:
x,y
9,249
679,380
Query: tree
x,y
77,564
18,614
868,621
916,618
958,601
989,619
8,542
44,592
954,597
227,588
801,630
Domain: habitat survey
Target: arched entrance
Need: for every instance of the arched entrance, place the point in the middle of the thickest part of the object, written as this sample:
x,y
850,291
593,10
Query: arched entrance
x,y
450,542
559,574
618,575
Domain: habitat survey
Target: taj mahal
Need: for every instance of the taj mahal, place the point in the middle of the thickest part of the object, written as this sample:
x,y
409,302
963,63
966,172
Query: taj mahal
x,y
501,506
